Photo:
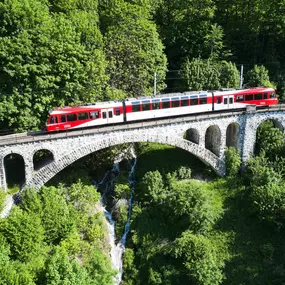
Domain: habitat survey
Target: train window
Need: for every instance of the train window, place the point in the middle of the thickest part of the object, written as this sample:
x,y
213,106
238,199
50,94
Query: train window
x,y
53,120
63,118
71,117
155,106
225,100
94,115
110,113
248,97
272,95
184,102
104,115
203,100
258,96
265,95
166,103
175,104
193,101
231,100
219,100
117,112
136,107
145,107
239,98
83,116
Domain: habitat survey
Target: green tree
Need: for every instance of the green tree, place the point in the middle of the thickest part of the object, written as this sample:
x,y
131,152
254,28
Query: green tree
x,y
269,139
258,76
191,28
25,234
60,270
133,48
229,74
2,199
200,258
43,64
192,203
233,161
58,218
130,271
214,40
268,202
100,269
13,272
153,187
202,74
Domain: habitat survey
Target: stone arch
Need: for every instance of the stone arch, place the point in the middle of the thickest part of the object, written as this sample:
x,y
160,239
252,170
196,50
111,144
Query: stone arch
x,y
213,139
192,135
275,122
14,168
232,135
42,157
47,172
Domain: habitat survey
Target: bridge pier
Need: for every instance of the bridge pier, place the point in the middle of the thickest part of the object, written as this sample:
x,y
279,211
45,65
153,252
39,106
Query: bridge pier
x,y
3,185
29,170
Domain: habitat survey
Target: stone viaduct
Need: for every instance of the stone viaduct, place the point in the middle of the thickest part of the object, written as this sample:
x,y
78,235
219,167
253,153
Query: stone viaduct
x,y
205,136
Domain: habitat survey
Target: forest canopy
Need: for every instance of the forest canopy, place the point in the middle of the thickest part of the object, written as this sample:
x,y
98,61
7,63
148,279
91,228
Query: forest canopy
x,y
56,53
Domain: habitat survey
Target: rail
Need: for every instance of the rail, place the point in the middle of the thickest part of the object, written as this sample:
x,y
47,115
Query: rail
x,y
42,136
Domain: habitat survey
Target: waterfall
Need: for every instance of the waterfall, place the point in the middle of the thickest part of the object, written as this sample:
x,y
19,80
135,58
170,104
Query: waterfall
x,y
8,203
117,250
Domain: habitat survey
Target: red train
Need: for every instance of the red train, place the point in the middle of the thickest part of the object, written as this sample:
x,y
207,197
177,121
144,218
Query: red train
x,y
165,105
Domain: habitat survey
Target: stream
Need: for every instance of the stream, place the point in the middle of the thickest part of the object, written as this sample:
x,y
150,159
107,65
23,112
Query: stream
x,y
107,184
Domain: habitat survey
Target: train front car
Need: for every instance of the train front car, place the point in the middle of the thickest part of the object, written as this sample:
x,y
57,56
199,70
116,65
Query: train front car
x,y
240,98
66,118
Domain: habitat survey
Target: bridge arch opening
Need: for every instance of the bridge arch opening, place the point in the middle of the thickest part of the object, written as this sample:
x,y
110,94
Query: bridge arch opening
x,y
213,139
269,137
42,158
232,135
14,165
192,135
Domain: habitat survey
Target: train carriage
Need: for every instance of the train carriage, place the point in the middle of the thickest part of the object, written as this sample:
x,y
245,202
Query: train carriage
x,y
166,105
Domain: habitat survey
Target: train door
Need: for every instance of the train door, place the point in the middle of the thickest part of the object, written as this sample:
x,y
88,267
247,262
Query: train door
x,y
107,115
228,101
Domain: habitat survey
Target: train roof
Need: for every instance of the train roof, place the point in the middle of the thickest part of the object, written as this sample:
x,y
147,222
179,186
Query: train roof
x,y
113,104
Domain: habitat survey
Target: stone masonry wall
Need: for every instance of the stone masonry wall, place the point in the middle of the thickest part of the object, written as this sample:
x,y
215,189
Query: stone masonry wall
x,y
69,149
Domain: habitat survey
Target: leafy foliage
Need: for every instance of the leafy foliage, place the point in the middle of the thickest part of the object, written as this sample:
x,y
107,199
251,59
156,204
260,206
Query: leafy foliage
x,y
200,258
60,270
45,63
269,139
25,234
258,76
133,48
233,161
208,75
56,236
2,199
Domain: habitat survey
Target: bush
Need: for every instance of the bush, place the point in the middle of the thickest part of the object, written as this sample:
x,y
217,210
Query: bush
x,y
233,161
184,173
2,199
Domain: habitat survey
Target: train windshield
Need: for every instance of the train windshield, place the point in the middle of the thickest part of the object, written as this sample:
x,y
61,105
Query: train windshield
x,y
272,95
53,120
